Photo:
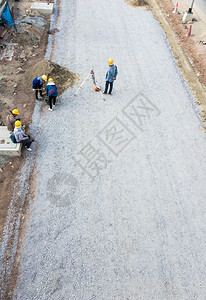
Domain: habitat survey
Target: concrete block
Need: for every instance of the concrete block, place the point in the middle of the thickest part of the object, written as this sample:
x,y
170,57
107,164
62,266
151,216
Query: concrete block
x,y
187,17
7,147
44,8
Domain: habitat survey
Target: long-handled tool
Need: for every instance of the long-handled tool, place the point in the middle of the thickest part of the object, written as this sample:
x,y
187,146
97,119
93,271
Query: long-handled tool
x,y
96,88
82,84
102,94
93,76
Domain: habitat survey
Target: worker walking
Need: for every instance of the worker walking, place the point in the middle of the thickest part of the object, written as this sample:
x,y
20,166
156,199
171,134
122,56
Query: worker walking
x,y
52,93
110,76
21,137
11,119
38,85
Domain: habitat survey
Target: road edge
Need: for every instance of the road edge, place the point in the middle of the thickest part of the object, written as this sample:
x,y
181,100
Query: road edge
x,y
183,61
22,204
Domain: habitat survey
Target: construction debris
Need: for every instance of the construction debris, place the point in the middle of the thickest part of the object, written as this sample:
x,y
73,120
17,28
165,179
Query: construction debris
x,y
138,2
37,21
29,31
7,53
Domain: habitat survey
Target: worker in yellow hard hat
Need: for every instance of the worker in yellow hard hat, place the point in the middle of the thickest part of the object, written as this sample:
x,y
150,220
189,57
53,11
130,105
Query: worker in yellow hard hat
x,y
11,119
51,92
38,85
110,76
21,137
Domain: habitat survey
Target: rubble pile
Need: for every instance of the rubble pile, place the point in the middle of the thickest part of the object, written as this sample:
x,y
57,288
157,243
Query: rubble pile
x,y
138,2
29,33
63,78
203,113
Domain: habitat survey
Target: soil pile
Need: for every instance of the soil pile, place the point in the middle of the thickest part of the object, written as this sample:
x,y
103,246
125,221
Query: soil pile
x,y
63,78
138,2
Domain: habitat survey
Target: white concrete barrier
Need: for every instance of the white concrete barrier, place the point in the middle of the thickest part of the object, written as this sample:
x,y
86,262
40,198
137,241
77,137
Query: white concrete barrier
x,y
44,8
187,17
7,147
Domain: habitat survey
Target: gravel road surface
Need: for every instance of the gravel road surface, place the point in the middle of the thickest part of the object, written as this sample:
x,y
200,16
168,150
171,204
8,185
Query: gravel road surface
x,y
199,5
120,207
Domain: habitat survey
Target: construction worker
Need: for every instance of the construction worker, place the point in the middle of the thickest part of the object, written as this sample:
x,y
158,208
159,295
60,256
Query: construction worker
x,y
38,85
51,92
21,137
110,76
11,119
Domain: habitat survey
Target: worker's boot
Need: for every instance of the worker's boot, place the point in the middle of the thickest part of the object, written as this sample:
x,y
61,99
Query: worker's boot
x,y
28,149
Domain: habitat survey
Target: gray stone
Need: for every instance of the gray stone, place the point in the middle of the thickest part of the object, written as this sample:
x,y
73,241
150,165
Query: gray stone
x,y
38,22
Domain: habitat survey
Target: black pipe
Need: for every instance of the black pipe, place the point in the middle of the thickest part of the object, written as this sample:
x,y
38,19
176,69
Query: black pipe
x,y
190,9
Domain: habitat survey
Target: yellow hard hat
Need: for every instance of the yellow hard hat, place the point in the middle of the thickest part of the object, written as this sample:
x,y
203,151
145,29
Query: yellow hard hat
x,y
17,124
15,112
50,79
110,61
44,77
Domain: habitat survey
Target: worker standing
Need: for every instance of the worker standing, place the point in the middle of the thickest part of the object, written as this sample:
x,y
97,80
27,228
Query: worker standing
x,y
110,76
52,93
11,119
21,137
38,85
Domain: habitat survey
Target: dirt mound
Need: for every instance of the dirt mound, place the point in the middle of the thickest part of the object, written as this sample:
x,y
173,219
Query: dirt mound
x,y
63,78
138,2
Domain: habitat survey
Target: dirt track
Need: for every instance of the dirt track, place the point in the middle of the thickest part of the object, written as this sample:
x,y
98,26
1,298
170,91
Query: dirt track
x,y
20,97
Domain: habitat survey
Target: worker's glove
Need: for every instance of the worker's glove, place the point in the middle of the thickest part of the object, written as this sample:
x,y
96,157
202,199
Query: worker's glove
x,y
33,89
